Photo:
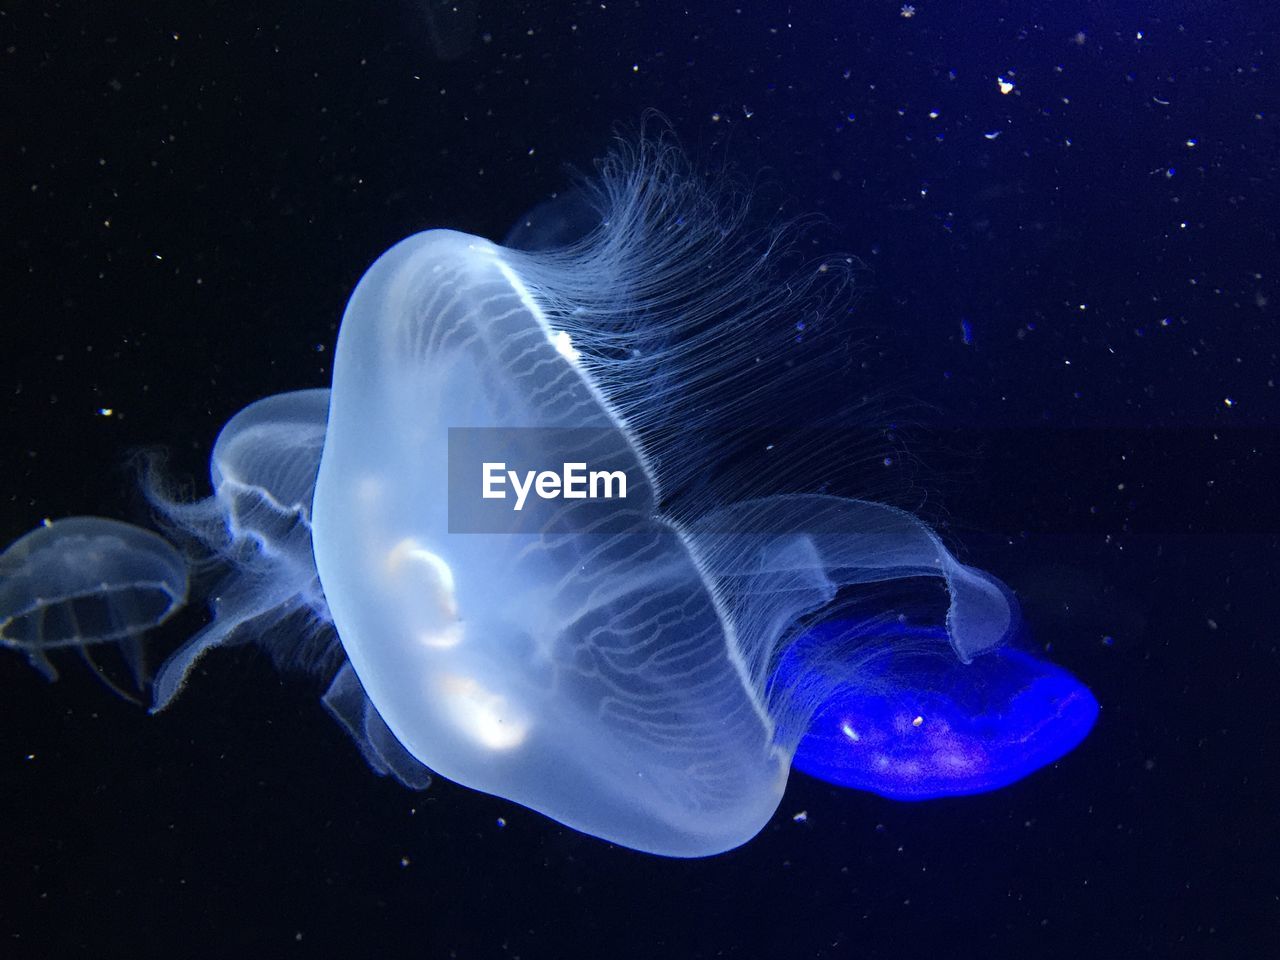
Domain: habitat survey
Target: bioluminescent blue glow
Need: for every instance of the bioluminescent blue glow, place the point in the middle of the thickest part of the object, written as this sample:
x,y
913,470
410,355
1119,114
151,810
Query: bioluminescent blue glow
x,y
914,724
647,681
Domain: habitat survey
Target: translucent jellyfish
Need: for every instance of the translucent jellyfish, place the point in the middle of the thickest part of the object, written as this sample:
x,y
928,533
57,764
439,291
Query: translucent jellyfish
x,y
88,580
641,661
258,527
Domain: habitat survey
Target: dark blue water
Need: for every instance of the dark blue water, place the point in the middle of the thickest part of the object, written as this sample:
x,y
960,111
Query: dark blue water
x,y
1065,222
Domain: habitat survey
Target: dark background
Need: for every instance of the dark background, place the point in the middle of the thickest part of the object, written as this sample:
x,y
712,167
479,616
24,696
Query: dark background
x,y
192,189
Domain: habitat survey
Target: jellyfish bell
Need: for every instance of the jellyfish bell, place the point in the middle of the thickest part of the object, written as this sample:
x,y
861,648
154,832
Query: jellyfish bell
x,y
585,675
85,581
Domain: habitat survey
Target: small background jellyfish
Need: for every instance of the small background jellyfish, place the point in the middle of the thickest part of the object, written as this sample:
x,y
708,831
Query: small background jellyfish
x,y
645,677
83,582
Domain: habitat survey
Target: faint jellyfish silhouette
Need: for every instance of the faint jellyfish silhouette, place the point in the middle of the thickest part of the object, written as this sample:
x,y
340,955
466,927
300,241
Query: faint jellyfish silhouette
x,y
567,218
82,581
451,25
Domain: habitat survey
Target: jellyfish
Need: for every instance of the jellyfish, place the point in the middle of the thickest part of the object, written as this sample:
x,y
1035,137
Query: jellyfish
x,y
257,529
528,538
83,581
